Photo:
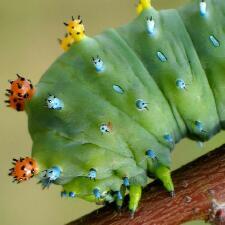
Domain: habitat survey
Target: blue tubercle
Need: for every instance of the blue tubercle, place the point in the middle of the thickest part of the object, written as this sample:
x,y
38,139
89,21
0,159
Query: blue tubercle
x,y
126,182
168,138
199,126
72,194
161,57
98,64
203,8
180,84
92,174
97,193
49,176
118,89
119,195
214,41
141,104
150,26
151,154
105,128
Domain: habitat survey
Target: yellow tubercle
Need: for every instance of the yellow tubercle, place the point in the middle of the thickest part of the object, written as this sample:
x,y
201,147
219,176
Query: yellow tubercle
x,y
76,29
142,5
66,42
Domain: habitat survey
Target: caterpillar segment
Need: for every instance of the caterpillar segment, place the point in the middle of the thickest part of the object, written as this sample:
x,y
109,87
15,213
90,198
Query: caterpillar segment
x,y
108,112
209,45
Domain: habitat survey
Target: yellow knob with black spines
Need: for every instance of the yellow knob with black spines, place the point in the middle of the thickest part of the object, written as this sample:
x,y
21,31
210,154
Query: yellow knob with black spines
x,y
66,42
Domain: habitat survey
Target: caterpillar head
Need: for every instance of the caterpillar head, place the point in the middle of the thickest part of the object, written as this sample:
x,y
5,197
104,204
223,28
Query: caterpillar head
x,y
76,29
24,169
66,42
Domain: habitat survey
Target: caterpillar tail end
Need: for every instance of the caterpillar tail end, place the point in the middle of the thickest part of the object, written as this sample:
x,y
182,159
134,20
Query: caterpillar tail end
x,y
142,5
164,175
135,196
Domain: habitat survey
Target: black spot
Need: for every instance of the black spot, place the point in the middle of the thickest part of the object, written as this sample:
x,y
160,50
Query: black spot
x,y
31,86
19,85
31,163
26,95
78,33
24,175
15,100
18,107
22,167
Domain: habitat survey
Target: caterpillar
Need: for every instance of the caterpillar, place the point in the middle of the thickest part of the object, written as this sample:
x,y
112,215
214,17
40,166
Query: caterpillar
x,y
109,111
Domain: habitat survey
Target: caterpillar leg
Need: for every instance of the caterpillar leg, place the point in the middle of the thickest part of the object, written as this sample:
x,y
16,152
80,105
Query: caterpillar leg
x,y
135,195
164,175
98,191
119,197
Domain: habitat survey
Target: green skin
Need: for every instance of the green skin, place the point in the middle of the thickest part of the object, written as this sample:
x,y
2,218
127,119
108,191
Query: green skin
x,y
71,139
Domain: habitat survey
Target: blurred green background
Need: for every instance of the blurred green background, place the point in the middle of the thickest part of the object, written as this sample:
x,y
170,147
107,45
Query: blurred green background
x,y
28,40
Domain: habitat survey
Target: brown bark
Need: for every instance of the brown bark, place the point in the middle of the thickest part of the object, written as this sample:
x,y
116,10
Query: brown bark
x,y
200,194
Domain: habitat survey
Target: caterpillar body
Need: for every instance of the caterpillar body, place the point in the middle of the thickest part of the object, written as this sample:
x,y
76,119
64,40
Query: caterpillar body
x,y
117,103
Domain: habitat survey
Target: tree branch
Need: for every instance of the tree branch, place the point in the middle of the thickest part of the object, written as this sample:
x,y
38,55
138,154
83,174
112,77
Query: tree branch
x,y
200,194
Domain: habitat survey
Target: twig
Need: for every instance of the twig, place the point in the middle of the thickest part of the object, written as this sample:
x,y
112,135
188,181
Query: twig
x,y
200,194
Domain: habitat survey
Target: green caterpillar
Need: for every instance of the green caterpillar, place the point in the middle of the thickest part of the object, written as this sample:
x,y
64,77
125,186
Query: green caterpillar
x,y
106,115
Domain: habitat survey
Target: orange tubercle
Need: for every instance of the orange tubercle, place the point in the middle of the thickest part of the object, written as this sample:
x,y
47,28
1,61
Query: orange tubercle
x,y
24,169
21,90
